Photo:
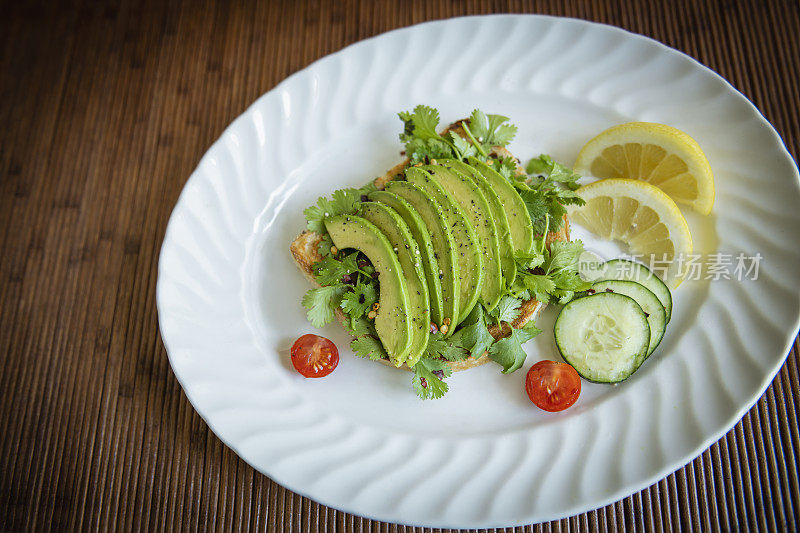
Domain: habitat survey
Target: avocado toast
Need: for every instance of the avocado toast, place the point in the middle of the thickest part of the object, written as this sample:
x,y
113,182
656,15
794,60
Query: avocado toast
x,y
449,237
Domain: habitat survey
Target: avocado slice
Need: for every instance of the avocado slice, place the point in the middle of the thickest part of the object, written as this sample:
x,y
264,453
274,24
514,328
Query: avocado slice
x,y
391,224
475,206
470,262
498,214
519,220
443,245
393,321
422,238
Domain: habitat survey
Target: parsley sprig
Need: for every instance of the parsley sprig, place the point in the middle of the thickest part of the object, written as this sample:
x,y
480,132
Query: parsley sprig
x,y
507,309
550,275
550,187
347,284
507,167
432,369
342,202
321,304
368,347
488,131
429,376
508,352
473,334
472,339
423,141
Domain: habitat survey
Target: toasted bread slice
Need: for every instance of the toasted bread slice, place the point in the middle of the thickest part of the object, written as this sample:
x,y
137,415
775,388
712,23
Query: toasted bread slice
x,y
305,254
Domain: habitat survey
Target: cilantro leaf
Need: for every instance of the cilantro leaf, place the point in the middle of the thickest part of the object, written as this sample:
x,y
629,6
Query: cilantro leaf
x,y
421,123
503,135
368,347
438,366
563,296
569,280
563,255
357,302
420,136
462,146
366,189
539,208
540,285
551,187
479,124
474,334
360,326
490,130
529,260
529,331
316,214
552,172
508,352
507,309
423,143
552,275
321,303
507,167
343,201
324,246
426,384
570,197
350,262
329,271
419,149
439,347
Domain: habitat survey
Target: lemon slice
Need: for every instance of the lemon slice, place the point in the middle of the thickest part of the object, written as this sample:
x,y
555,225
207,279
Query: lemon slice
x,y
658,154
641,216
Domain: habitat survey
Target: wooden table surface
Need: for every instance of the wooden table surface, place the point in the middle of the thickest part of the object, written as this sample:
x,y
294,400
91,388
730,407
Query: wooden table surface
x,y
104,112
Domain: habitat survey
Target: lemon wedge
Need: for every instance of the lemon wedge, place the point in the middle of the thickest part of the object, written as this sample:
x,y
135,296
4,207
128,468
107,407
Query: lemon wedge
x,y
658,154
641,216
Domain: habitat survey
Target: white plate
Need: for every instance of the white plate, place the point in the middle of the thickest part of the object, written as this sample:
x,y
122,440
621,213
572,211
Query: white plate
x,y
359,440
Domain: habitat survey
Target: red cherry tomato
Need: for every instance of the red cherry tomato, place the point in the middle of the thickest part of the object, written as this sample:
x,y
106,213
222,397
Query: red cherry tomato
x,y
314,356
553,386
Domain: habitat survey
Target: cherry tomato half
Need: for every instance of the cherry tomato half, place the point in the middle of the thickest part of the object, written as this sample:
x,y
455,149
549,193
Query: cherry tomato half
x,y
553,386
314,356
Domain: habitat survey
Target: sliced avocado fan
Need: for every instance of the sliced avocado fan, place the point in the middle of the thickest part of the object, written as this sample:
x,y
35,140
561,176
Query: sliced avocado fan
x,y
443,245
519,220
470,262
475,206
422,237
405,247
393,320
498,215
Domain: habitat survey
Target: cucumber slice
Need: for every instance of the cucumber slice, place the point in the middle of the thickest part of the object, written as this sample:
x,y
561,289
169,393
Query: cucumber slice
x,y
604,336
650,304
623,269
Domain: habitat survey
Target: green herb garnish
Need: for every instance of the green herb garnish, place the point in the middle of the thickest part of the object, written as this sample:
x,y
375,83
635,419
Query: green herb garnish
x,y
508,352
550,187
551,275
322,303
423,141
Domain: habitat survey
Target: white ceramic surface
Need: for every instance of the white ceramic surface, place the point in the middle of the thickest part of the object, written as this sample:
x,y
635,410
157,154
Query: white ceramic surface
x,y
359,440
